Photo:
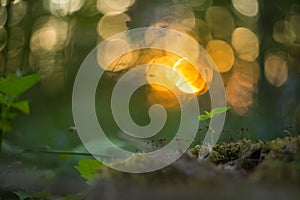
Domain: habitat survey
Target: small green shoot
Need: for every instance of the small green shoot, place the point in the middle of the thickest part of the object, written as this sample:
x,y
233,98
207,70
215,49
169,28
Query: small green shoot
x,y
11,88
211,114
215,111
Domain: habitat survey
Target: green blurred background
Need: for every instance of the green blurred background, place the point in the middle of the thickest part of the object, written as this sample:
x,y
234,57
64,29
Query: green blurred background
x,y
54,37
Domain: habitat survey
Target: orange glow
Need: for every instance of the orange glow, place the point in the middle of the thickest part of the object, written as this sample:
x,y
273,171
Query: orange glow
x,y
222,54
186,77
166,98
191,80
242,86
163,76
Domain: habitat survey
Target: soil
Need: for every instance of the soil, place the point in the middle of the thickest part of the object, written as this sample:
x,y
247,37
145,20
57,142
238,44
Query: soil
x,y
243,169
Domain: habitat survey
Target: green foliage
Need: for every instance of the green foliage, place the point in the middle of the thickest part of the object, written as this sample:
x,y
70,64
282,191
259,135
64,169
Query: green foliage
x,y
14,87
11,88
215,111
89,168
211,114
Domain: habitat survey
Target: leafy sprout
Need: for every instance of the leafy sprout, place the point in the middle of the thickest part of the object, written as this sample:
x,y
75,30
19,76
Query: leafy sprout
x,y
211,114
11,88
215,111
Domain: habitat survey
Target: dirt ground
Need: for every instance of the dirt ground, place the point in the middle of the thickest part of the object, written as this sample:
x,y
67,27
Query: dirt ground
x,y
239,170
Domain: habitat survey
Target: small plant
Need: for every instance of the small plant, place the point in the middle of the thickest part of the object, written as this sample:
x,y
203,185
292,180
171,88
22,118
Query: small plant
x,y
211,114
11,88
89,168
215,111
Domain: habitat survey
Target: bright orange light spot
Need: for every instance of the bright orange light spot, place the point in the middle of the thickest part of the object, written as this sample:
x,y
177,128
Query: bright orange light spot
x,y
160,75
191,80
186,77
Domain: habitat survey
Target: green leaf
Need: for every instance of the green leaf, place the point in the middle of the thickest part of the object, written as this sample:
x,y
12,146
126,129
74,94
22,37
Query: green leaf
x,y
14,87
22,106
204,117
214,112
207,113
88,168
219,110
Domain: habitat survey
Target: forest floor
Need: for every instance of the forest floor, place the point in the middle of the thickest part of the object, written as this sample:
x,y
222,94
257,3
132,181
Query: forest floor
x,y
243,169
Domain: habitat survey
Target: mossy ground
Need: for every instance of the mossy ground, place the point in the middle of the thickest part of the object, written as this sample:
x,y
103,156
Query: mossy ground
x,y
243,169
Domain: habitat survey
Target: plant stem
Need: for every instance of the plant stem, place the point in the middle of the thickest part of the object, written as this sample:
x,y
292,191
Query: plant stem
x,y
212,132
60,152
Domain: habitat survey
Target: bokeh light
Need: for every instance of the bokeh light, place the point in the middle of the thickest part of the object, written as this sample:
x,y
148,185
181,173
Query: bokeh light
x,y
185,45
186,77
220,22
3,15
50,34
222,54
106,6
247,8
4,2
114,48
112,23
202,33
242,86
276,68
17,12
166,78
199,4
282,32
295,26
63,7
175,16
245,44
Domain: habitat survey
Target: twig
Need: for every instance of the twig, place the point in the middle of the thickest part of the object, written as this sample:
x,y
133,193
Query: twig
x,y
31,151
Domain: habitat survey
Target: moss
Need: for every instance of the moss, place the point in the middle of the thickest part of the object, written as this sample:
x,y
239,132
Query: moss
x,y
231,151
248,155
281,163
252,166
256,158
